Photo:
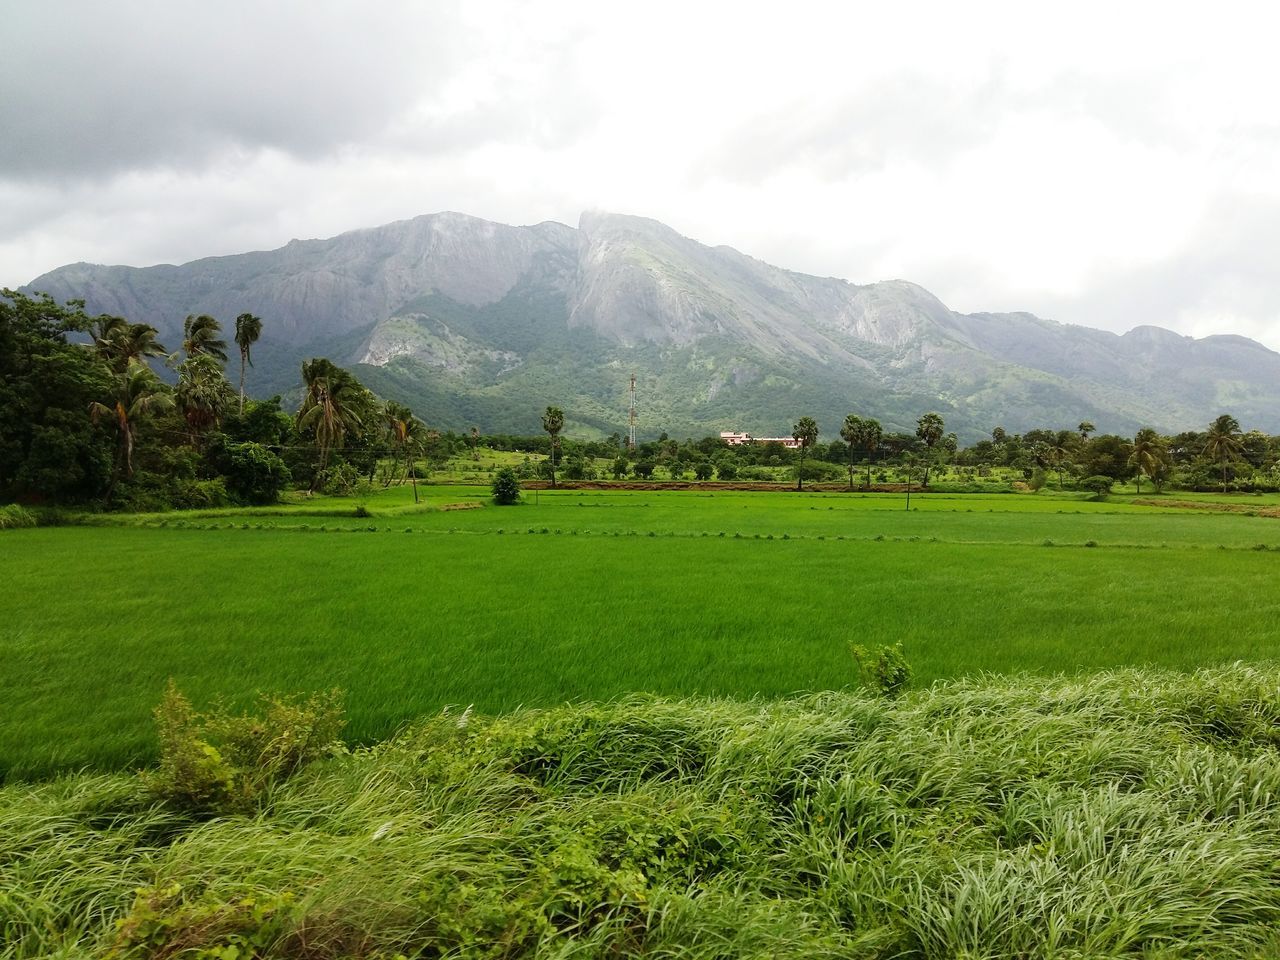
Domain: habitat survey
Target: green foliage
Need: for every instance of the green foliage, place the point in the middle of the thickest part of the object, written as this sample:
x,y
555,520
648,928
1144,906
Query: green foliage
x,y
13,516
49,448
219,762
1099,486
992,818
643,469
506,487
885,671
727,470
253,474
702,470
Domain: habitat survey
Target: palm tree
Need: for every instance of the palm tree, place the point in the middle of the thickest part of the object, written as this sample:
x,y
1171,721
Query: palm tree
x,y
851,433
553,423
139,394
412,435
871,436
1148,454
397,418
121,343
202,394
332,405
929,428
200,335
1223,443
248,330
1085,429
475,443
806,433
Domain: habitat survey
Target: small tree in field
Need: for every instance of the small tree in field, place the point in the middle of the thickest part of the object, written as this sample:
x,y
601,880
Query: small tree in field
x,y
805,433
553,423
506,487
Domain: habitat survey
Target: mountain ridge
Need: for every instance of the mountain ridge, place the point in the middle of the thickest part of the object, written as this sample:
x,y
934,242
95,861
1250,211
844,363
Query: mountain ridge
x,y
470,319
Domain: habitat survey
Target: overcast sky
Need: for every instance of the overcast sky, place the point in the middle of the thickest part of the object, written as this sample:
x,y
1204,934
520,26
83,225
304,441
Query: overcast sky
x,y
1096,163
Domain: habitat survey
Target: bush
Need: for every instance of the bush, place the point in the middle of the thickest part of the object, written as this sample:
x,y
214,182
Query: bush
x,y
254,475
221,763
727,470
1099,485
643,470
506,487
702,471
339,481
13,516
886,671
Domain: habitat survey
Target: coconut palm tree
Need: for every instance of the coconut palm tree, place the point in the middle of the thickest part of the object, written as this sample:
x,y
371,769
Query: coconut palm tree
x,y
139,394
553,423
1222,443
333,404
1148,455
805,432
851,433
929,428
1085,428
200,335
202,394
121,343
248,330
396,417
870,441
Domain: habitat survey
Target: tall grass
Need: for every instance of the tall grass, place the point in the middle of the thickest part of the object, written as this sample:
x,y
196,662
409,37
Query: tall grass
x,y
1122,815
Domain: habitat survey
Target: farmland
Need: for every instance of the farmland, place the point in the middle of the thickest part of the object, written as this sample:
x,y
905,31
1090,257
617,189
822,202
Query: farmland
x,y
590,595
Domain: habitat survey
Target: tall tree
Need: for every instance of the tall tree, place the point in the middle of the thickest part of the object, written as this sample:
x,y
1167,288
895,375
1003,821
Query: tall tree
x,y
929,428
1085,429
248,330
138,395
333,404
872,435
397,418
475,443
806,433
121,343
48,447
1148,456
1222,443
202,395
851,432
201,335
553,423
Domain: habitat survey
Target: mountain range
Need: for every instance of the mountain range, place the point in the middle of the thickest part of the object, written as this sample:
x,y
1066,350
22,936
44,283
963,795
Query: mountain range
x,y
474,322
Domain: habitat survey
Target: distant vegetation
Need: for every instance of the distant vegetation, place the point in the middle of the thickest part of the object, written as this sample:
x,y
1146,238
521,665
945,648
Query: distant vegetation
x,y
92,423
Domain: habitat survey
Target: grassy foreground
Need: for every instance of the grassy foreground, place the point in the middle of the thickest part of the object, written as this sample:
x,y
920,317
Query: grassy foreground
x,y
1135,814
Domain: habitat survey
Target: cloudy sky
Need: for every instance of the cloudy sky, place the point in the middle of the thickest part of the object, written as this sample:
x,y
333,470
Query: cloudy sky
x,y
1096,163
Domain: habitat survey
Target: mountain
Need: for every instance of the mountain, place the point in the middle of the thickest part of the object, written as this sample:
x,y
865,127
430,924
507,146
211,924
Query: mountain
x,y
472,322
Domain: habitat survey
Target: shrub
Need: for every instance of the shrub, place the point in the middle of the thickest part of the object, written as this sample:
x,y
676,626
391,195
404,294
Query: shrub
x,y
1099,485
506,487
727,470
13,516
702,471
341,480
884,671
254,474
643,469
218,762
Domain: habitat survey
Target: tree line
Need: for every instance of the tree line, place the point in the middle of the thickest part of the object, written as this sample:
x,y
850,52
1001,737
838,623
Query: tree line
x,y
84,416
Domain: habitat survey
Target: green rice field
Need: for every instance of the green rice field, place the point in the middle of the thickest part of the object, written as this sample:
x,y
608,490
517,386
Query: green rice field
x,y
590,595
